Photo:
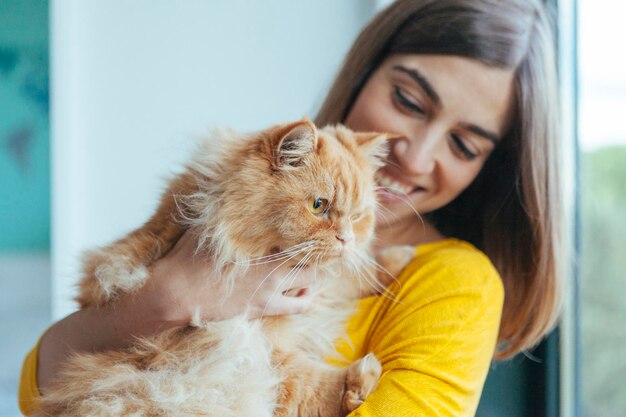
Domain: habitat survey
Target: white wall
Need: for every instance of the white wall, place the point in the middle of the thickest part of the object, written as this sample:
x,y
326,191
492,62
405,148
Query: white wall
x,y
133,82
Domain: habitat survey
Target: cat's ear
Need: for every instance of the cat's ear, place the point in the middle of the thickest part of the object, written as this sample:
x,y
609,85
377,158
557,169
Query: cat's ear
x,y
375,146
295,143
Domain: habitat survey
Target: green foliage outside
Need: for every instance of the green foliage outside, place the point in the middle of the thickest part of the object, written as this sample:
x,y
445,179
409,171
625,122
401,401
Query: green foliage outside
x,y
603,276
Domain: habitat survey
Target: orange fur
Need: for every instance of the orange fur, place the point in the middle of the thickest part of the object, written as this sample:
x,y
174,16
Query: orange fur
x,y
242,196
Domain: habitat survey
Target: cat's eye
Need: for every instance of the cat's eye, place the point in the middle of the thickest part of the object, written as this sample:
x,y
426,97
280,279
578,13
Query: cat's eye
x,y
357,217
318,205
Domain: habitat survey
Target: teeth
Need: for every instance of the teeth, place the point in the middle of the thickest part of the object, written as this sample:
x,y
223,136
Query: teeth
x,y
391,185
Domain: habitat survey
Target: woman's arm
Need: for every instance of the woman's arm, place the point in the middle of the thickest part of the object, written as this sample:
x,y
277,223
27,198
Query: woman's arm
x,y
180,289
436,339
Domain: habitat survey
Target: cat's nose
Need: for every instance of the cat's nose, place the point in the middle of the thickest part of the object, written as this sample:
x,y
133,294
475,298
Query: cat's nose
x,y
345,238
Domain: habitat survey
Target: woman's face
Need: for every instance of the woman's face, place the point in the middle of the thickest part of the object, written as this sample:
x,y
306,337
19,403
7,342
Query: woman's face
x,y
449,113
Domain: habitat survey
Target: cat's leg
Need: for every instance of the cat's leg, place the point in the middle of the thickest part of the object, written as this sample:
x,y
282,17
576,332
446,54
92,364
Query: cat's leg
x,y
123,265
361,379
316,389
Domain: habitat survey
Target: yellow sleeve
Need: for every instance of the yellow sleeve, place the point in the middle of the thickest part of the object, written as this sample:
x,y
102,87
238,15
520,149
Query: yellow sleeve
x,y
28,392
436,339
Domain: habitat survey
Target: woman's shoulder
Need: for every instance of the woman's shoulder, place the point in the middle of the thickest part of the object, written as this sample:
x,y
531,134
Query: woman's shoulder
x,y
451,266
449,291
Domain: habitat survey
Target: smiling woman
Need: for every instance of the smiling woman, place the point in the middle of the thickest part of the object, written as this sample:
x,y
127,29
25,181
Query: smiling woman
x,y
500,60
443,108
467,88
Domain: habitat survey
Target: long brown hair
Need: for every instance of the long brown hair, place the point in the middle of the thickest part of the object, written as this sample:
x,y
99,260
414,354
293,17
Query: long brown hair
x,y
512,210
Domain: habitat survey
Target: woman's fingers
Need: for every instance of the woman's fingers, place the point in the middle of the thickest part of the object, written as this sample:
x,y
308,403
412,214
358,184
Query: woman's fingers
x,y
280,290
187,278
285,277
281,304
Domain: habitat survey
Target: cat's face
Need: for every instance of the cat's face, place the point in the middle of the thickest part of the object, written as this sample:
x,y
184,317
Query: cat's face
x,y
307,192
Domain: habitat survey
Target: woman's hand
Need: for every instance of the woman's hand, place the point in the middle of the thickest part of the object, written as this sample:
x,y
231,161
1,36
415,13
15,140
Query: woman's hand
x,y
180,290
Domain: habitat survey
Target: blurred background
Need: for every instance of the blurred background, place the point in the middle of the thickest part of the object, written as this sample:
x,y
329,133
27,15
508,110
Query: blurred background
x,y
602,187
100,101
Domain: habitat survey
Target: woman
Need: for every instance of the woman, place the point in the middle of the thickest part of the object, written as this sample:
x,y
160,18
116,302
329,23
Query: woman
x,y
470,85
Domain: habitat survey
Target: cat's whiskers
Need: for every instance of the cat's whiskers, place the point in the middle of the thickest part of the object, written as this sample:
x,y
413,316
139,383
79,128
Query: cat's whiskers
x,y
405,201
355,267
363,280
372,262
299,267
293,255
393,164
383,214
291,277
367,274
316,266
277,256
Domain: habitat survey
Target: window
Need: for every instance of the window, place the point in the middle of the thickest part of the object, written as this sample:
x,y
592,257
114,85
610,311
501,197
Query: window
x,y
602,98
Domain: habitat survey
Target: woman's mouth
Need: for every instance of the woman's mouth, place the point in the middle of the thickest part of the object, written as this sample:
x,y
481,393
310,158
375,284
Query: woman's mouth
x,y
391,187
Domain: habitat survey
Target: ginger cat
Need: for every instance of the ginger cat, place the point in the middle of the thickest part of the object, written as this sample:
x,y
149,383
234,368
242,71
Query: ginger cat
x,y
289,193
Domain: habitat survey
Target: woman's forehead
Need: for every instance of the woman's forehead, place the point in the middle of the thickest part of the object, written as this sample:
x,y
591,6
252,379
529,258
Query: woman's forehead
x,y
475,92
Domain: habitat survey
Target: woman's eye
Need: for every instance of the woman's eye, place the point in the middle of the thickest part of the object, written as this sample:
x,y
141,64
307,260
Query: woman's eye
x,y
318,205
460,145
404,101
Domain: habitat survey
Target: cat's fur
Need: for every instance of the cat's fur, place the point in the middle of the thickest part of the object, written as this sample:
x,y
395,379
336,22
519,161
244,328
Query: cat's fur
x,y
242,196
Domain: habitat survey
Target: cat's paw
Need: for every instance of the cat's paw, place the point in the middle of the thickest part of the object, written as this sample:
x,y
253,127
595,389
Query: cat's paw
x,y
394,259
105,274
361,379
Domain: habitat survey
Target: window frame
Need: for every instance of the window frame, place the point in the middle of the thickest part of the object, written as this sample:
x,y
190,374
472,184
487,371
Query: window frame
x,y
567,352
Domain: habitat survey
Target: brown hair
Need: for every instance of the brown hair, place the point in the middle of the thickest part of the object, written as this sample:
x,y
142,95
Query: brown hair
x,y
512,210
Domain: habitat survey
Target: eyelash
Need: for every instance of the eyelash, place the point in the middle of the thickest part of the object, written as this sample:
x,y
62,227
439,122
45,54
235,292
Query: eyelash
x,y
458,142
406,103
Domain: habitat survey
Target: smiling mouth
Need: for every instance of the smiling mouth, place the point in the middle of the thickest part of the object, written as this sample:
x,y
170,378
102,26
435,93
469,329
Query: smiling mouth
x,y
393,186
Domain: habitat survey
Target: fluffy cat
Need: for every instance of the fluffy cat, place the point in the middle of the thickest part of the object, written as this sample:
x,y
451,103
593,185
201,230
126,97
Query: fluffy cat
x,y
290,192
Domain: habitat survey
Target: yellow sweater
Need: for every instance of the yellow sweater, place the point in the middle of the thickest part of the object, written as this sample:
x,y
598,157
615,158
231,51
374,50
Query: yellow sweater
x,y
435,339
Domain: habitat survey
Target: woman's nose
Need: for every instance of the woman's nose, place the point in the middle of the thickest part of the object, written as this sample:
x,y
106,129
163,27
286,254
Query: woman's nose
x,y
418,156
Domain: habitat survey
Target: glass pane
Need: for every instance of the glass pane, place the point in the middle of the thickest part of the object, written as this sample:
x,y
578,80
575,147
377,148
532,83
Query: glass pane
x,y
603,194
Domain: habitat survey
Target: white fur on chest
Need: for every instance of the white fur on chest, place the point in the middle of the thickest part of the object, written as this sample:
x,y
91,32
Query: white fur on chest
x,y
226,368
234,378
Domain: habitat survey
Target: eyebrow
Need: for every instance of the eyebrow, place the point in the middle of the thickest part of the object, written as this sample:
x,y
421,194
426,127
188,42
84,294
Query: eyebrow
x,y
490,136
432,94
421,81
